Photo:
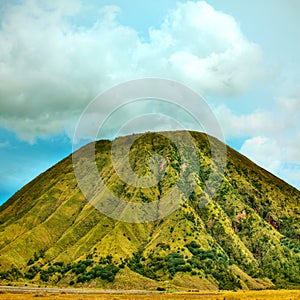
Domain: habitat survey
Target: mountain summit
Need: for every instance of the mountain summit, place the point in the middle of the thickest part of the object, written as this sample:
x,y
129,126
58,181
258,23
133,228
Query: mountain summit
x,y
245,234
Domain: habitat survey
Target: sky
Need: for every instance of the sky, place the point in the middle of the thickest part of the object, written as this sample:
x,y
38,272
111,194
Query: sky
x,y
243,57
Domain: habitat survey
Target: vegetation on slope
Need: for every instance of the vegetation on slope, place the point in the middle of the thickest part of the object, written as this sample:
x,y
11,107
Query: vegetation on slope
x,y
247,236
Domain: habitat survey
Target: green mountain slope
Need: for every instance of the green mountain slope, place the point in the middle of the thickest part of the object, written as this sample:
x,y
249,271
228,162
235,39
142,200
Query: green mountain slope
x,y
247,236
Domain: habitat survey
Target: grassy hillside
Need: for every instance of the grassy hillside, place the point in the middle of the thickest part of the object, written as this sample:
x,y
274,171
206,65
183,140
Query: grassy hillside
x,y
247,236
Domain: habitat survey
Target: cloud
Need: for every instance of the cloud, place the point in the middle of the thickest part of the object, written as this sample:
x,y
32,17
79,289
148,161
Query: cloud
x,y
269,154
206,48
265,152
272,136
280,122
52,65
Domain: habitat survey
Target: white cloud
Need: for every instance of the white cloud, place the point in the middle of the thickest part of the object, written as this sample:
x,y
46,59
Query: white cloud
x,y
280,122
265,152
271,155
51,67
204,48
273,136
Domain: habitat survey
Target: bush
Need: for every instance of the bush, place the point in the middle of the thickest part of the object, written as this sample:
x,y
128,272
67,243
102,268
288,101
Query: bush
x,y
82,278
44,277
30,262
109,272
183,268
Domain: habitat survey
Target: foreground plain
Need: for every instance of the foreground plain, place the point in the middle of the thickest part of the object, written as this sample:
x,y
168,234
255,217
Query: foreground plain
x,y
270,294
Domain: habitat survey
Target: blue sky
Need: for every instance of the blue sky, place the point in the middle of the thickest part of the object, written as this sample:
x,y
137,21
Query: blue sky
x,y
56,56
